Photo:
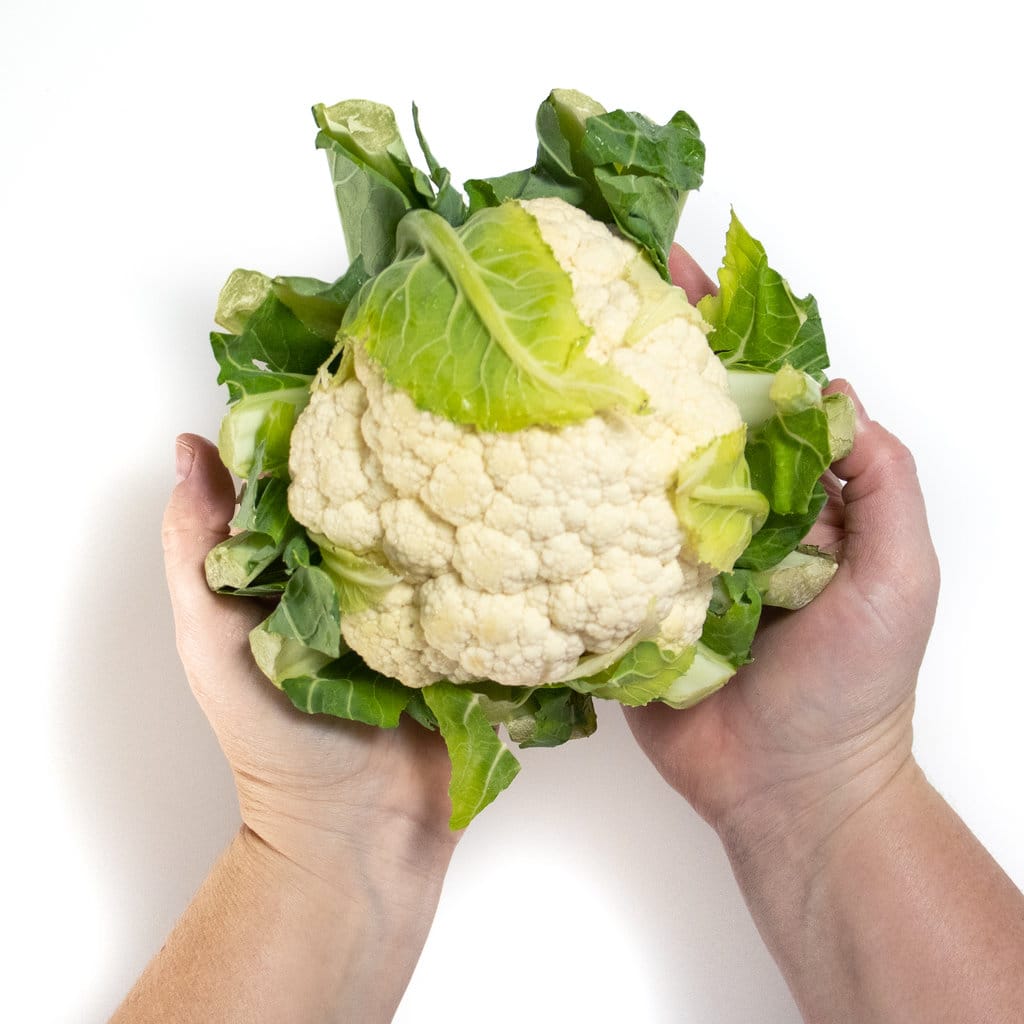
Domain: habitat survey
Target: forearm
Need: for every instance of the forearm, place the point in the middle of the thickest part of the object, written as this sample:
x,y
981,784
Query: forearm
x,y
897,914
266,940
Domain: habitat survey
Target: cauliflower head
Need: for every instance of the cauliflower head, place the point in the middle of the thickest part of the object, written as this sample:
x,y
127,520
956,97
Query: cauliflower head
x,y
512,555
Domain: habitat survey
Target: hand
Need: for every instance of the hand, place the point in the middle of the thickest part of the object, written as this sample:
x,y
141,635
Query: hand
x,y
314,788
821,720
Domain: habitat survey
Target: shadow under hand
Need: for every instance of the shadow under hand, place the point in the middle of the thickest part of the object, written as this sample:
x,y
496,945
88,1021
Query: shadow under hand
x,y
153,793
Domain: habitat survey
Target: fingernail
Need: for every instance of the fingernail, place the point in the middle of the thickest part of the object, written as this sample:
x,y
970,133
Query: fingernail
x,y
184,456
847,389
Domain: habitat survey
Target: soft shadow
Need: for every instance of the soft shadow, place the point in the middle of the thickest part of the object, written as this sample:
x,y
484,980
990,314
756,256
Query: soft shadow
x,y
598,805
153,795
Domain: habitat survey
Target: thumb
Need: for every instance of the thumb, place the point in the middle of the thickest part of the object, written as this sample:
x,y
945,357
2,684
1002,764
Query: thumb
x,y
212,631
197,516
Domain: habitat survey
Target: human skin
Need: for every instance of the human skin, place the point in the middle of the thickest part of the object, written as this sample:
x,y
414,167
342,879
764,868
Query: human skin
x,y
344,842
876,901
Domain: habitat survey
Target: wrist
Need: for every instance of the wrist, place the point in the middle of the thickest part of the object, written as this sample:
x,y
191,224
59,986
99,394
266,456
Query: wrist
x,y
396,877
387,852
800,877
336,927
790,808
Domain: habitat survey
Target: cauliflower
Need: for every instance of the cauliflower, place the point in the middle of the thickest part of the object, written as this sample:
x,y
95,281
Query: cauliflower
x,y
522,552
501,467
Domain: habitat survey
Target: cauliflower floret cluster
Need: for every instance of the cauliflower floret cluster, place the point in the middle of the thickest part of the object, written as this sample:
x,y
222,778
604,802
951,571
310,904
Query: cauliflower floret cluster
x,y
521,552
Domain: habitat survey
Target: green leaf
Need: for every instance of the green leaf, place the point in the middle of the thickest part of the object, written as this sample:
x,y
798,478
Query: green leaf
x,y
544,716
359,581
418,711
644,674
274,351
375,182
241,295
523,185
235,563
757,321
796,580
708,673
562,125
318,683
299,552
309,611
787,456
620,167
320,306
645,209
733,616
264,504
280,657
644,172
268,369
447,202
478,325
553,716
262,420
482,766
671,152
715,502
782,533
249,560
348,688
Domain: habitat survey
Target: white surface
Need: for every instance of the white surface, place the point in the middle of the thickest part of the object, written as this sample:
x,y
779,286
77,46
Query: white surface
x,y
147,151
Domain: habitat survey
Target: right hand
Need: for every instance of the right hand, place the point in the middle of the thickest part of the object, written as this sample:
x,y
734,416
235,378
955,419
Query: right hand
x,y
314,788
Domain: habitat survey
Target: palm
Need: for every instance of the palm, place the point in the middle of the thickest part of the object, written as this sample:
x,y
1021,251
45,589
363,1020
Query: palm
x,y
822,679
830,678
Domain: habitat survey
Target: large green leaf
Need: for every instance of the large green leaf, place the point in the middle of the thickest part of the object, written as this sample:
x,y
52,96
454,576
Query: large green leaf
x,y
618,166
758,323
478,325
374,180
482,766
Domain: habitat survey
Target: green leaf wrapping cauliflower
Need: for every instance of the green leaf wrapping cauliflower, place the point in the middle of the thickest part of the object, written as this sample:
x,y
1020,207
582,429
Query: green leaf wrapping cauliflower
x,y
516,554
501,467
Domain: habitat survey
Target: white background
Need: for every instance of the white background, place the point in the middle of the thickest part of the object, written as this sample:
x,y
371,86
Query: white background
x,y
147,150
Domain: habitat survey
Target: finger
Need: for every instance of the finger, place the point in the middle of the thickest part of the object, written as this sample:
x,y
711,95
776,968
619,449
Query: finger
x,y
827,531
197,516
212,631
886,523
687,274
